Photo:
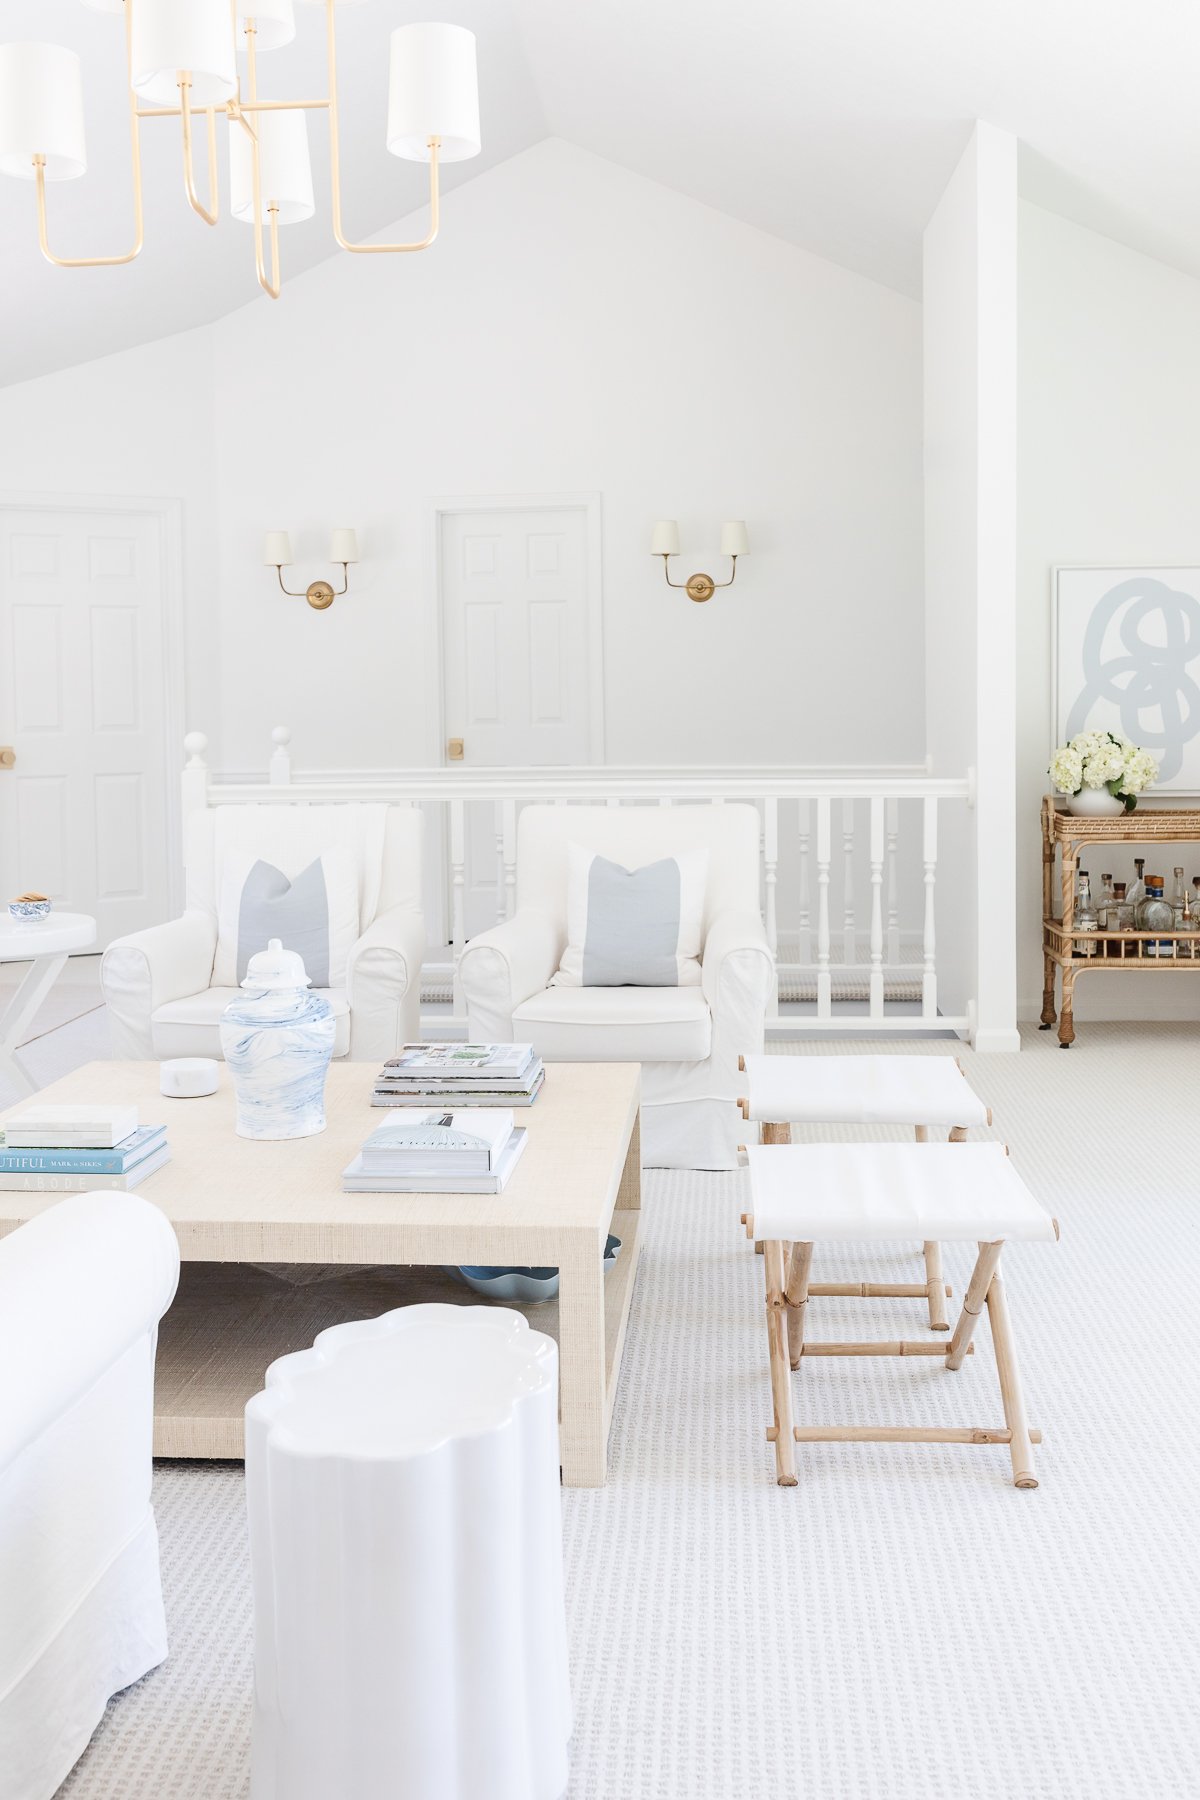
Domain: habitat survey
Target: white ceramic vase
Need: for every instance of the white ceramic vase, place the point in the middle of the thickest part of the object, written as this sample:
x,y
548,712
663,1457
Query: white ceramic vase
x,y
1094,803
277,1043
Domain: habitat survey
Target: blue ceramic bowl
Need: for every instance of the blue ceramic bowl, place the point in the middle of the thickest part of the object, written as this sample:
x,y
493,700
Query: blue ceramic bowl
x,y
526,1286
24,910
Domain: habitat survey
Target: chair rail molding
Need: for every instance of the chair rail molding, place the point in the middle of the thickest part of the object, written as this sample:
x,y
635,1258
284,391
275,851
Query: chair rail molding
x,y
855,844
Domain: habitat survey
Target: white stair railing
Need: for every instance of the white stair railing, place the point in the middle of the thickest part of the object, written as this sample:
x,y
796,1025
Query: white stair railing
x,y
893,863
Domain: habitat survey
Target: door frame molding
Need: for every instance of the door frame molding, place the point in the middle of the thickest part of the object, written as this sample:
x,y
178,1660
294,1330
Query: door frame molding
x,y
169,513
590,504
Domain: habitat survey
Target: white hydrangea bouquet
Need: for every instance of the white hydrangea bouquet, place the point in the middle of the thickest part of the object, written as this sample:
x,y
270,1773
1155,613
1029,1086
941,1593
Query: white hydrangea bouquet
x,y
1098,763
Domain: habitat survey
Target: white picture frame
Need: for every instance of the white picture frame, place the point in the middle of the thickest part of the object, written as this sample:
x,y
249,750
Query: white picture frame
x,y
1125,657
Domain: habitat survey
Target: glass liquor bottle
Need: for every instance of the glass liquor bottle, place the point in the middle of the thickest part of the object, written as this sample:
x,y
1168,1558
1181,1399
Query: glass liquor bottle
x,y
1179,893
1120,917
1155,913
1107,899
1086,918
1137,890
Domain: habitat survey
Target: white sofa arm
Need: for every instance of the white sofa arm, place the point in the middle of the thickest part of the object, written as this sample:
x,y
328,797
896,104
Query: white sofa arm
x,y
505,966
148,968
79,1284
383,985
738,974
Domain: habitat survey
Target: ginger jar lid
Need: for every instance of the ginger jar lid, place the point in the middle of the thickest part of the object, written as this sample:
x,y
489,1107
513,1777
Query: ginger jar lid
x,y
276,967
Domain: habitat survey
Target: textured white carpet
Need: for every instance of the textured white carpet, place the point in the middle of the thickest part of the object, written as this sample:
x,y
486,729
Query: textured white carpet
x,y
904,1623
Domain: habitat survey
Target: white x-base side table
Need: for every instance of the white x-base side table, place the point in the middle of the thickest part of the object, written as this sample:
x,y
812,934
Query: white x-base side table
x,y
45,944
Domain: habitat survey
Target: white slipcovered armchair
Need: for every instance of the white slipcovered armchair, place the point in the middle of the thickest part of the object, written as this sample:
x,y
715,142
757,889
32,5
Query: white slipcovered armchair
x,y
82,1288
688,1039
157,982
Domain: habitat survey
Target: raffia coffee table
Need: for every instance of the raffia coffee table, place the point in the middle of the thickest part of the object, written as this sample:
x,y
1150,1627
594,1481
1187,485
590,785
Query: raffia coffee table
x,y
235,1204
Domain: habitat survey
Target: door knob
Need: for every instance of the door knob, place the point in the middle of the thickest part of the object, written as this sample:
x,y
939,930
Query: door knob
x,y
8,757
454,749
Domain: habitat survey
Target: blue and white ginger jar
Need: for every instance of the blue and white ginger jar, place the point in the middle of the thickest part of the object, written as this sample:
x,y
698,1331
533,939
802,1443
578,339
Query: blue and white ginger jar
x,y
277,1043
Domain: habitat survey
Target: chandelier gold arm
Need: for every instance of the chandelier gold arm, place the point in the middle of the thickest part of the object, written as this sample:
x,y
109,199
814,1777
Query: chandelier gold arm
x,y
39,165
700,587
212,212
319,594
273,287
335,174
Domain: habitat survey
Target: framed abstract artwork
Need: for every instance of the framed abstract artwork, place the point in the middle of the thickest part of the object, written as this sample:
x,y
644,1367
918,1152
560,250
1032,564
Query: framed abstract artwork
x,y
1125,645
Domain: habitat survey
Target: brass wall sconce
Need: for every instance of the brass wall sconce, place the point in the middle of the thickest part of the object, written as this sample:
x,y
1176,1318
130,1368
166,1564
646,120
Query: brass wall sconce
x,y
343,548
734,543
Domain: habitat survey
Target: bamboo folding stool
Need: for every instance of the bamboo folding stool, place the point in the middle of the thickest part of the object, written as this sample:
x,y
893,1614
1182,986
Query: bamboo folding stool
x,y
806,1194
926,1093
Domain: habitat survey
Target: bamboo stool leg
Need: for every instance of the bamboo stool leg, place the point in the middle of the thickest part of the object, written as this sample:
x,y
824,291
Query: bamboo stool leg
x,y
973,1303
1020,1447
796,1295
934,1279
781,1392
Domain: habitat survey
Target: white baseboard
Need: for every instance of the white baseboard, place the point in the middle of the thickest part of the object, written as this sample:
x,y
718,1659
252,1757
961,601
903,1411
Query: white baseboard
x,y
990,1043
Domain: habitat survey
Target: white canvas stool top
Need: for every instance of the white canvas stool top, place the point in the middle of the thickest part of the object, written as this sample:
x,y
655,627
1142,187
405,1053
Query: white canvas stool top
x,y
406,1555
814,1193
861,1090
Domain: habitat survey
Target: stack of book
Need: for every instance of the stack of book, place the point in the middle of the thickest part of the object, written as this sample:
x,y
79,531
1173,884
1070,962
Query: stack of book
x,y
434,1152
462,1075
72,1149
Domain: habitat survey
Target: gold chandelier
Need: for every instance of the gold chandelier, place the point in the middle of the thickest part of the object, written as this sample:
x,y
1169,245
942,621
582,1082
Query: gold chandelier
x,y
181,57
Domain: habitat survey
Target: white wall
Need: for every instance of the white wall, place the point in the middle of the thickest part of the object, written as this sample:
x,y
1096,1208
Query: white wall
x,y
970,337
140,423
581,329
1109,473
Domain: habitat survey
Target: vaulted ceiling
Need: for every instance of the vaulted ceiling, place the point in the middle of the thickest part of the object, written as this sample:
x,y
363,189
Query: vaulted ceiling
x,y
834,126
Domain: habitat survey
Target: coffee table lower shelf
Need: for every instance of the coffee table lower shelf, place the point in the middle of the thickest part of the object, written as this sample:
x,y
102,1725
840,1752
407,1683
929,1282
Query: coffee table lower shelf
x,y
230,1320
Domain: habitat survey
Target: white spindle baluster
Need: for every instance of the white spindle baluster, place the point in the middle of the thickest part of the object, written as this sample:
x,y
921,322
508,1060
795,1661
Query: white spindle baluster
x,y
770,876
509,854
458,928
280,771
877,846
929,857
498,828
824,852
195,776
804,838
893,888
849,934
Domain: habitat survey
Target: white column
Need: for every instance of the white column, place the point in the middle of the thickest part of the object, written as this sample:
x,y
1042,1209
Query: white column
x,y
458,929
929,858
892,882
509,853
804,839
770,876
849,933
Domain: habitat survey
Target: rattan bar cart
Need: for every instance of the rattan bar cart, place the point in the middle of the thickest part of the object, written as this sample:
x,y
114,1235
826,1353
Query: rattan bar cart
x,y
1076,952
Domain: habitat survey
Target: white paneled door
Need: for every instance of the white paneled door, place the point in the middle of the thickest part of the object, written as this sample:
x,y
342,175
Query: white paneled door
x,y
520,654
83,712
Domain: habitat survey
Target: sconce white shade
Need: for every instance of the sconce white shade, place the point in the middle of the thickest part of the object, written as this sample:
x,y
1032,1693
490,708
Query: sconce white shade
x,y
433,91
275,24
277,549
343,547
286,171
41,111
196,35
734,541
664,540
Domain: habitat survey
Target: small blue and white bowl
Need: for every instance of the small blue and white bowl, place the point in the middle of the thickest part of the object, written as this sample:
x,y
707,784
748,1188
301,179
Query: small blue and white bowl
x,y
525,1286
28,907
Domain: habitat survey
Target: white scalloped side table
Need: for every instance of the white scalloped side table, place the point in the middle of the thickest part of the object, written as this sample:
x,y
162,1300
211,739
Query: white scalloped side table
x,y
406,1554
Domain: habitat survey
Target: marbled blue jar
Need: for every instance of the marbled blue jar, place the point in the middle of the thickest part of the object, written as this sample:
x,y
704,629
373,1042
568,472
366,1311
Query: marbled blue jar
x,y
278,1042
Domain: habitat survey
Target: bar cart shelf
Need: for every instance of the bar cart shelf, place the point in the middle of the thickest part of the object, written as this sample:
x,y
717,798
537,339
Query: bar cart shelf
x,y
1079,952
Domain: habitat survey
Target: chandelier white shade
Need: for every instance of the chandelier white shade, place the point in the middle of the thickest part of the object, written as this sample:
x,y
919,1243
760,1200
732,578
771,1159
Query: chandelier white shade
x,y
433,92
192,35
274,22
285,171
41,111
